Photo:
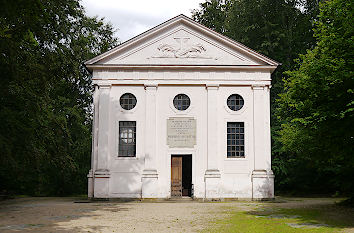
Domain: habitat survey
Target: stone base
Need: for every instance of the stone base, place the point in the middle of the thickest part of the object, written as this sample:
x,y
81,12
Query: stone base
x,y
101,184
212,184
149,181
90,184
262,184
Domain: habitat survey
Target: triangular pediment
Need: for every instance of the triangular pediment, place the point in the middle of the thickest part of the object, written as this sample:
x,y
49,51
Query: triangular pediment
x,y
181,41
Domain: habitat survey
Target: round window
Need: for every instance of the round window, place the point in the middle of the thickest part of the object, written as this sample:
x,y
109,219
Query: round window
x,y
127,101
181,102
235,102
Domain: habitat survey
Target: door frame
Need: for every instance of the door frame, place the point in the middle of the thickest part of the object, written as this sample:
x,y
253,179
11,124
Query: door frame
x,y
181,152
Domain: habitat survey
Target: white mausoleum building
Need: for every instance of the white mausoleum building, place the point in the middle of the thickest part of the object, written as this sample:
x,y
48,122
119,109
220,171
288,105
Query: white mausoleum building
x,y
181,110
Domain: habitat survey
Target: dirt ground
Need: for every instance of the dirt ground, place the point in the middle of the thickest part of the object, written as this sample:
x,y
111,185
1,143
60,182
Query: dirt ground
x,y
72,215
66,215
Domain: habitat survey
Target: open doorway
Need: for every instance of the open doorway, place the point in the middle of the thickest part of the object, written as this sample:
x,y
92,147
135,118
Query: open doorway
x,y
181,175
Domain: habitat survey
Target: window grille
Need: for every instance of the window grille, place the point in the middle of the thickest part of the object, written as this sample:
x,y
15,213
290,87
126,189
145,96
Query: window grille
x,y
181,102
235,139
127,139
127,101
235,102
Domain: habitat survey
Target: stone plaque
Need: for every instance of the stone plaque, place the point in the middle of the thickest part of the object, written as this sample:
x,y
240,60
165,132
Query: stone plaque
x,y
181,132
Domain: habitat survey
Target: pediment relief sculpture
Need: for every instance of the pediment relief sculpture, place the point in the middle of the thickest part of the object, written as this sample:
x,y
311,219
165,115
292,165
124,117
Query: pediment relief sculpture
x,y
182,49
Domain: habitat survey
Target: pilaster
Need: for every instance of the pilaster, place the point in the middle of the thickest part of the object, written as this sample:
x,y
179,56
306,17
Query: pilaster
x,y
212,174
90,175
150,175
262,175
95,129
101,173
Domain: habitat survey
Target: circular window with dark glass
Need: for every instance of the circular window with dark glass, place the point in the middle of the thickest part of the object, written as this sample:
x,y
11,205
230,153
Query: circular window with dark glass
x,y
181,102
235,102
127,101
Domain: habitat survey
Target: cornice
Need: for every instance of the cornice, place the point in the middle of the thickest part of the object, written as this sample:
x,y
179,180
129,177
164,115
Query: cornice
x,y
180,67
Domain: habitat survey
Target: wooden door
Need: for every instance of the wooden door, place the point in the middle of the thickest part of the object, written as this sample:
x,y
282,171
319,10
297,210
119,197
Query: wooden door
x,y
176,176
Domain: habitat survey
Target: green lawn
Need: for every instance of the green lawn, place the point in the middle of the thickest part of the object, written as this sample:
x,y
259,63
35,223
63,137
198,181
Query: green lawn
x,y
271,218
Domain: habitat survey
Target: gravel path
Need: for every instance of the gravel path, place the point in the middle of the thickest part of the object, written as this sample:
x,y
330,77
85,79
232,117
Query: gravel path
x,y
69,215
64,215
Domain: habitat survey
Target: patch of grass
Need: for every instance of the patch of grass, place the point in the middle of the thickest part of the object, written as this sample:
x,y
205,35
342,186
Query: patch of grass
x,y
333,215
282,220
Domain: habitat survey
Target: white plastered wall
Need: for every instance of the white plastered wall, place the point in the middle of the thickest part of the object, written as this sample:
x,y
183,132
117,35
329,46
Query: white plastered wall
x,y
236,174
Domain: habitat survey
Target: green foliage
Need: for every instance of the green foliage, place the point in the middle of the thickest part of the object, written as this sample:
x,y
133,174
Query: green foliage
x,y
280,220
280,30
317,106
45,112
312,123
213,14
277,28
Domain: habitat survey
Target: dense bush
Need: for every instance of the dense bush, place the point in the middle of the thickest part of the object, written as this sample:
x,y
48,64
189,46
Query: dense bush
x,y
45,111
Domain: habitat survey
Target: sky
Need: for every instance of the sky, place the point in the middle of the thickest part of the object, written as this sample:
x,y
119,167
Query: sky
x,y
132,17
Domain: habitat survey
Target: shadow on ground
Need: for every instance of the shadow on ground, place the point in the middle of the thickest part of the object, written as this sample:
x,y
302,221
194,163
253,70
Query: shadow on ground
x,y
55,214
74,215
309,212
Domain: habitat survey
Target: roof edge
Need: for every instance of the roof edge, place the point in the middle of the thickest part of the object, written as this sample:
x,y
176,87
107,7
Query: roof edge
x,y
135,39
109,52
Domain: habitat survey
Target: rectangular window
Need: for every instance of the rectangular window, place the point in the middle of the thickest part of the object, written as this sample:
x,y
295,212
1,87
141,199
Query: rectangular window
x,y
127,139
235,139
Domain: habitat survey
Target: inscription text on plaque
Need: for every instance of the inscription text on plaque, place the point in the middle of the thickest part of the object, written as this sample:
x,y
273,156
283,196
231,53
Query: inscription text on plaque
x,y
181,132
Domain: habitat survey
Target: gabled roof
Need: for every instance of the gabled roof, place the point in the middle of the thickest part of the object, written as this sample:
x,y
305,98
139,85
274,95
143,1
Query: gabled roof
x,y
187,23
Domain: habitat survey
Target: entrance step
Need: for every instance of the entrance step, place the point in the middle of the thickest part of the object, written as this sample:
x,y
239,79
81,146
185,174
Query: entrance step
x,y
180,199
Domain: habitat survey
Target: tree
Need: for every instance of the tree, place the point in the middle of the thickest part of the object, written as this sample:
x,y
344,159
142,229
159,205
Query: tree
x,y
317,107
279,29
45,134
213,14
